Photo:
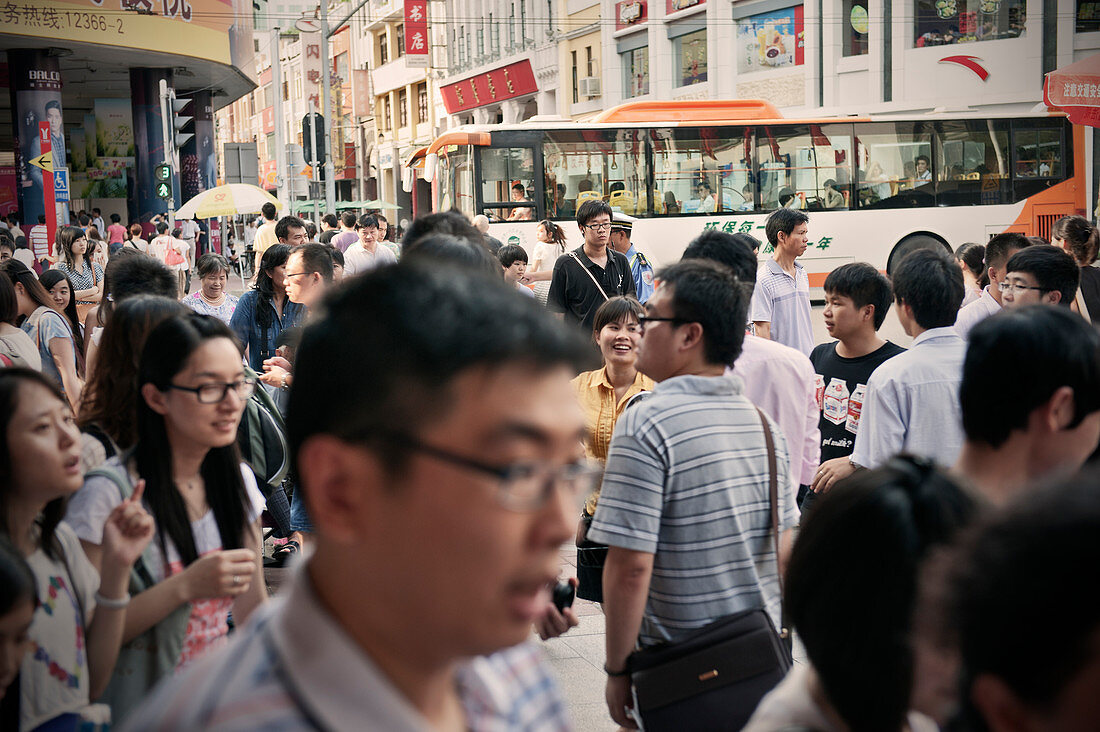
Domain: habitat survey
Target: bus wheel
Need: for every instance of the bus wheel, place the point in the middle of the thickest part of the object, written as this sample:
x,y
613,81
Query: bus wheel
x,y
911,244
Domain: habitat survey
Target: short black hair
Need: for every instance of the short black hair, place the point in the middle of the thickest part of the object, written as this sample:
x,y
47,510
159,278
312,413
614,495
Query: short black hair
x,y
614,310
1016,360
162,228
337,256
1002,583
864,284
783,220
348,219
269,211
138,275
315,258
115,218
509,254
452,223
924,158
929,282
732,250
519,187
329,219
854,608
367,221
286,223
6,242
454,251
1053,268
592,208
1002,246
429,323
210,264
710,294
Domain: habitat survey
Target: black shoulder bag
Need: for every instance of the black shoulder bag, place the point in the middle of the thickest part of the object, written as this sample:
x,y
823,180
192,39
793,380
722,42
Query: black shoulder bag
x,y
714,677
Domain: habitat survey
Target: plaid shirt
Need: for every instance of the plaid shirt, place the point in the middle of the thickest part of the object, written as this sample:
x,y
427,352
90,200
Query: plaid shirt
x,y
292,667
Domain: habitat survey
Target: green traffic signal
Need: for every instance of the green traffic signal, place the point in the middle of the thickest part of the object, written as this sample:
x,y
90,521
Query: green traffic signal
x,y
162,172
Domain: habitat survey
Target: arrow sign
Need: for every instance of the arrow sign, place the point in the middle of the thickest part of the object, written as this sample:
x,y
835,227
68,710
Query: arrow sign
x,y
44,161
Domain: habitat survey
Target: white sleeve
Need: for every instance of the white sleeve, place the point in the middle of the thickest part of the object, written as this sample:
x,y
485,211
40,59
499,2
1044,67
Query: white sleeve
x,y
255,497
84,575
90,506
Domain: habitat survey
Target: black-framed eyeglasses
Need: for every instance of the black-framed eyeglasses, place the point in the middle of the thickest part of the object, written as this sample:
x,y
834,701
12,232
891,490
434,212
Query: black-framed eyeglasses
x,y
599,227
296,274
216,392
1013,287
643,320
521,486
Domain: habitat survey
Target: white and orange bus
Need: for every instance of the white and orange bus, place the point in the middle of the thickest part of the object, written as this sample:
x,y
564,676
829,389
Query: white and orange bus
x,y
874,187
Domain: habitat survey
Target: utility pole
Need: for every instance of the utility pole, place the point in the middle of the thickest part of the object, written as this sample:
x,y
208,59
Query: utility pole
x,y
282,182
327,113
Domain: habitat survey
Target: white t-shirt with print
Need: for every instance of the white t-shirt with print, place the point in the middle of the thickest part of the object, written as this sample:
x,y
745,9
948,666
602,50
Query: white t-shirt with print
x,y
53,678
208,627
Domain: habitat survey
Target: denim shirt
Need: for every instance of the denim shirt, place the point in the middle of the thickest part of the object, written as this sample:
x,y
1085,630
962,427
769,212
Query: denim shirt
x,y
260,344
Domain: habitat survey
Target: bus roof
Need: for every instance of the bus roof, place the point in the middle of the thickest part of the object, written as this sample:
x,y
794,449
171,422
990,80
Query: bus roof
x,y
694,110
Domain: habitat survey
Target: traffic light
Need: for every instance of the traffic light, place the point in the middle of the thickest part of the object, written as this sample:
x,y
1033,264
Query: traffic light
x,y
313,140
175,135
164,189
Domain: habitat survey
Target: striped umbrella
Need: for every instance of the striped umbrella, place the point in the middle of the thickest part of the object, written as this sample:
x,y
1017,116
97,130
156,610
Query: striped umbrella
x,y
227,200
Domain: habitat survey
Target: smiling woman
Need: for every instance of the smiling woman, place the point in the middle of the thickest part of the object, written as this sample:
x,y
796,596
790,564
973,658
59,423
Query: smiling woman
x,y
212,298
203,498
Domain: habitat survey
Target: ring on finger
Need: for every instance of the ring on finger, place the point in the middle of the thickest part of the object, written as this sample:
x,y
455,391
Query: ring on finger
x,y
236,580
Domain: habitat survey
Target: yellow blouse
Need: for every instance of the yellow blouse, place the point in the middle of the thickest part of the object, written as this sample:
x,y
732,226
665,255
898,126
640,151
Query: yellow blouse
x,y
597,398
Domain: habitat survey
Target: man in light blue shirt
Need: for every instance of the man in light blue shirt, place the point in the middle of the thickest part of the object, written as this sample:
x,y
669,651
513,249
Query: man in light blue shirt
x,y
912,402
780,309
640,268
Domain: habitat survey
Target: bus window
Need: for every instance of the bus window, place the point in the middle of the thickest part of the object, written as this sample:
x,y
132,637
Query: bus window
x,y
972,162
702,171
1039,157
508,178
894,165
805,166
608,165
456,181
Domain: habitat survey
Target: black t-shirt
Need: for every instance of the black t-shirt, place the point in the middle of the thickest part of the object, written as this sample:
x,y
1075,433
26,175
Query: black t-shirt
x,y
841,386
573,292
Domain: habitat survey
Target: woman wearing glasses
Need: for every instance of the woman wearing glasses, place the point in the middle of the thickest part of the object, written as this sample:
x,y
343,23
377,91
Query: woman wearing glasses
x,y
204,559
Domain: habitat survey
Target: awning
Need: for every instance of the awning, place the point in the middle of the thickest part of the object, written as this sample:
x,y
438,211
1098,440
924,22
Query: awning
x,y
1075,89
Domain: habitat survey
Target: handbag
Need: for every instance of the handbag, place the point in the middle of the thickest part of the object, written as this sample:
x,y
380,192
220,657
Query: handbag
x,y
172,257
713,677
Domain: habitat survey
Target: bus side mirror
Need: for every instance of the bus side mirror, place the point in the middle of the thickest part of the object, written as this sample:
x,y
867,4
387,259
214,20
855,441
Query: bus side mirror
x,y
408,176
431,160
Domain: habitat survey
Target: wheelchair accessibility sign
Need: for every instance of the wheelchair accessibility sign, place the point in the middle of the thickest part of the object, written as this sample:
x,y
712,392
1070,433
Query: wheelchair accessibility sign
x,y
61,185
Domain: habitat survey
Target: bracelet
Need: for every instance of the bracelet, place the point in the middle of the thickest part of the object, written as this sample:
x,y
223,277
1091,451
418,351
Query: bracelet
x,y
110,604
616,674
285,377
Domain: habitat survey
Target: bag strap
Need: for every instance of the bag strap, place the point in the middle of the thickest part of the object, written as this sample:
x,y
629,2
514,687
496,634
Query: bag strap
x,y
590,276
773,505
125,490
1082,307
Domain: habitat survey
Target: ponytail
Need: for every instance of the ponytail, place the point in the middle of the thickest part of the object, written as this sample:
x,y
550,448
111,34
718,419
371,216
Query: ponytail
x,y
1081,238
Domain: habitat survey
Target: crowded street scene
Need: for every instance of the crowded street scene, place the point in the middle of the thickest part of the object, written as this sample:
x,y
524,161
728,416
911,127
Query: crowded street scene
x,y
595,365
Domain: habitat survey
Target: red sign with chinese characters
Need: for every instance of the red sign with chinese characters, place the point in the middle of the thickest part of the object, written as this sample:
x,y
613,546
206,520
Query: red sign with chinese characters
x,y
507,82
416,34
268,116
629,12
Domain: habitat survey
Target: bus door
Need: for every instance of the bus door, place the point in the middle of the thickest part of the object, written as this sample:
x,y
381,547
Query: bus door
x,y
510,188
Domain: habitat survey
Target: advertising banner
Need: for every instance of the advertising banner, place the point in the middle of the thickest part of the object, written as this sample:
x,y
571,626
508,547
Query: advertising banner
x,y
9,198
35,79
771,40
417,47
114,132
312,71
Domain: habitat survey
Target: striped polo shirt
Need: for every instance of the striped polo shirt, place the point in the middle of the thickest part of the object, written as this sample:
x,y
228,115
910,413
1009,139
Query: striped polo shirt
x,y
784,302
687,481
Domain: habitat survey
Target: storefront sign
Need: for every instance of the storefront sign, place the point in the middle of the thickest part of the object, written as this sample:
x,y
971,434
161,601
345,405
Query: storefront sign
x,y
771,40
514,80
362,101
629,12
416,34
312,71
672,6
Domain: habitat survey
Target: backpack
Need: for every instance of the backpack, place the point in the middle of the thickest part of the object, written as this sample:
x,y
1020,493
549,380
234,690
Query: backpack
x,y
261,437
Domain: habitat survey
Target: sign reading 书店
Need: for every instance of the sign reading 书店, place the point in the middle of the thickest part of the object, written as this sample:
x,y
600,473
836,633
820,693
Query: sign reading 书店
x,y
514,80
416,34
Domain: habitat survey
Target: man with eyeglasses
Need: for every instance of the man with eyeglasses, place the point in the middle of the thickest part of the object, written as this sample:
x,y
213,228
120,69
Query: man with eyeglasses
x,y
998,251
440,497
1040,275
588,276
683,500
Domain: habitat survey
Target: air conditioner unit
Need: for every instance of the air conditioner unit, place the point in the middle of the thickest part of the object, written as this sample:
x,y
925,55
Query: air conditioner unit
x,y
589,86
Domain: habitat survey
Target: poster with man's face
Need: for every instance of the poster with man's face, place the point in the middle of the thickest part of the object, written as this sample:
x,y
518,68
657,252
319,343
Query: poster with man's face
x,y
36,79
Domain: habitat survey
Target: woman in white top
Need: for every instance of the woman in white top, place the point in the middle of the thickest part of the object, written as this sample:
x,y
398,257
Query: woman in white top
x,y
205,559
172,252
212,298
551,238
852,594
77,628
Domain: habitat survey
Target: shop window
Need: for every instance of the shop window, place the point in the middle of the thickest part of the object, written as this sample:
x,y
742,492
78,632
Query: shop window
x,y
691,57
1088,16
403,108
608,165
636,72
421,103
770,40
944,22
855,22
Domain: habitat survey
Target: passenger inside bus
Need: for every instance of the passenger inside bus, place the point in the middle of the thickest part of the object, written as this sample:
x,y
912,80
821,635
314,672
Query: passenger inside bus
x,y
705,194
832,198
521,213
